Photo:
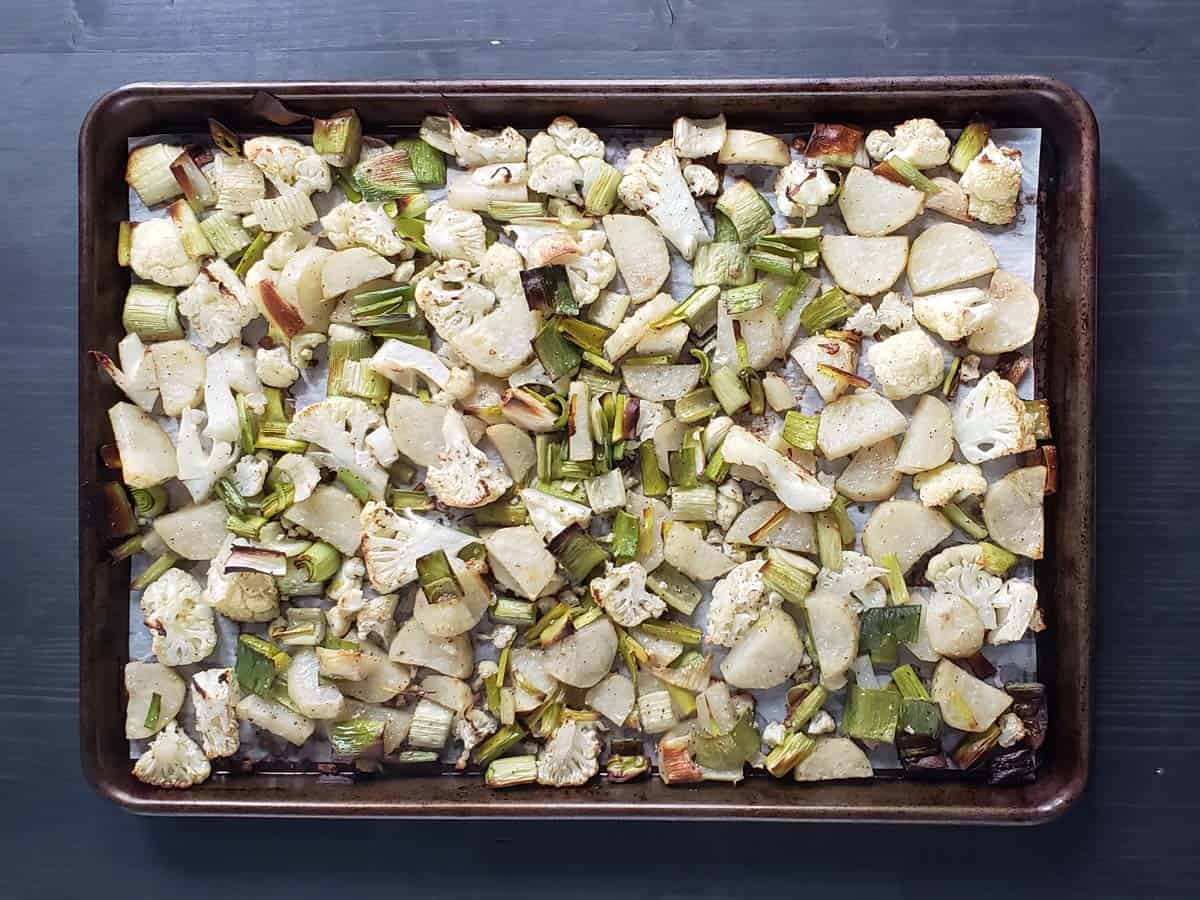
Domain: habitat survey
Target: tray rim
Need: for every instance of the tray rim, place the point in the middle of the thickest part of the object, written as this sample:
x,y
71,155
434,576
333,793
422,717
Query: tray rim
x,y
1065,791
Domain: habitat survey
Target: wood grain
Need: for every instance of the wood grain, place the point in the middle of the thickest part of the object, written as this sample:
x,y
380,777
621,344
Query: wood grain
x,y
1137,62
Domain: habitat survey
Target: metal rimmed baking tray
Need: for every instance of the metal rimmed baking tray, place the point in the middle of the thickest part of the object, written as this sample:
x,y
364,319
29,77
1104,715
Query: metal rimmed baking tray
x,y
1064,354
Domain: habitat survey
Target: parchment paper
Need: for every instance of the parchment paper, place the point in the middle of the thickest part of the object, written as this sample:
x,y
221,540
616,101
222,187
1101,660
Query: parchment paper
x,y
1015,248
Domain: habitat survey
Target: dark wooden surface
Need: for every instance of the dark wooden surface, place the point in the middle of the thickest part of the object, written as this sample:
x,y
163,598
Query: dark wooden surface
x,y
1137,62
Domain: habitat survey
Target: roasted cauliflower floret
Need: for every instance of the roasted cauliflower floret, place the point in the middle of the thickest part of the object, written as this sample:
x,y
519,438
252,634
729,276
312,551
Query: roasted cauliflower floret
x,y
173,760
894,313
241,596
289,164
472,729
859,578
250,474
302,472
919,141
455,234
217,304
392,543
621,592
183,627
345,589
156,254
738,600
570,757
557,175
479,148
362,224
654,183
993,184
451,299
214,698
274,367
948,483
341,425
1016,611
956,572
550,515
801,190
701,180
990,421
909,362
197,468
463,476
573,139
498,261
953,315
136,376
695,138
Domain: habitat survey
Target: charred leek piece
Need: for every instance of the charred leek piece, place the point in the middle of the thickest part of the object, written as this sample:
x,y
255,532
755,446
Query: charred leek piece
x,y
809,706
338,138
969,145
548,287
148,502
697,503
747,211
154,571
252,253
558,356
871,715
510,611
510,210
784,576
577,553
829,541
437,578
386,176
722,264
796,747
996,560
624,537
511,771
601,194
908,174
124,243
418,501
674,588
895,579
303,627
626,768
965,523
428,162
319,562
697,405
727,387
654,482
152,313
909,683
789,295
824,311
672,631
499,744
884,628
740,301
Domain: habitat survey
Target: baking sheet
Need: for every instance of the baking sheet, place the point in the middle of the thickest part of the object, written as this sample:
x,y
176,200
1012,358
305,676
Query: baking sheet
x,y
1015,248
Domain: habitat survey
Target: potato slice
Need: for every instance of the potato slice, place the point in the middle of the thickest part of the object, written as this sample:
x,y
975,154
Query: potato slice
x,y
194,532
299,286
583,658
1013,511
929,441
864,265
456,615
641,254
873,206
834,759
515,447
906,528
518,557
819,350
950,201
948,254
147,454
414,646
332,515
967,703
766,655
350,268
953,625
416,428
872,473
179,369
857,420
833,626
752,148
688,552
660,383
771,524
1014,316
762,334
